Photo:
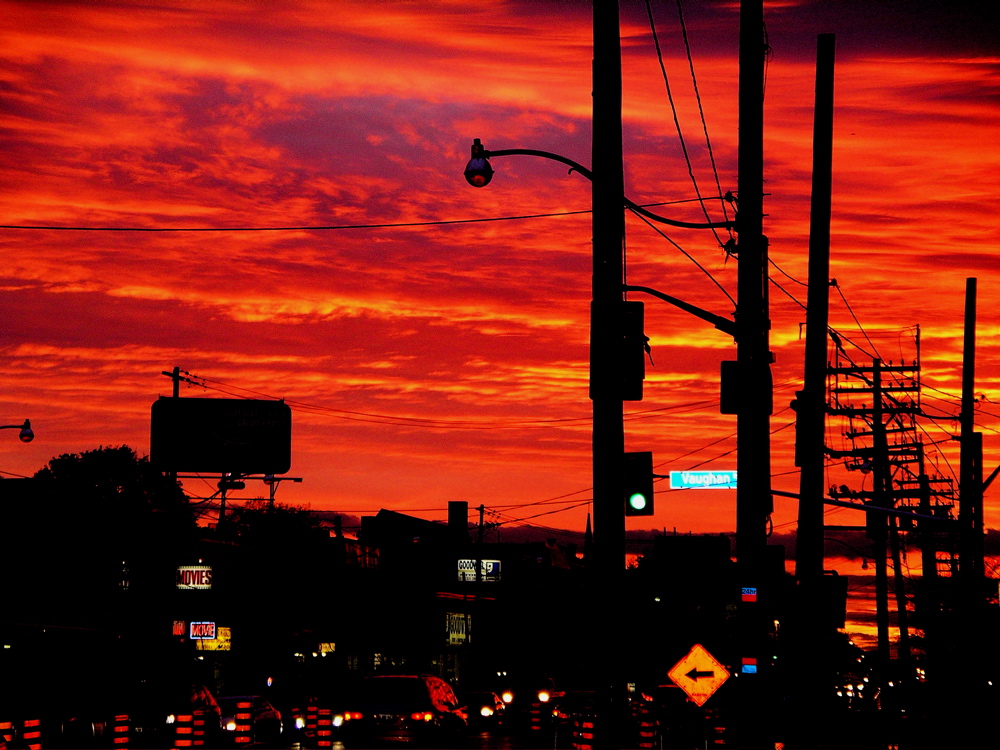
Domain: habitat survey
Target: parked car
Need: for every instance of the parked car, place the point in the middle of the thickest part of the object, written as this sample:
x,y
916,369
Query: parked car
x,y
252,716
419,709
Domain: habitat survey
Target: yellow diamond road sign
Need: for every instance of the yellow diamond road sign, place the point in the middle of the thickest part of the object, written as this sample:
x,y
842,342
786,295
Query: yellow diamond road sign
x,y
698,674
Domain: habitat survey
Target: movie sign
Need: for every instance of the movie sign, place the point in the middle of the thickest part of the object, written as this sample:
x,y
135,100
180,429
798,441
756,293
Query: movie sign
x,y
201,631
194,576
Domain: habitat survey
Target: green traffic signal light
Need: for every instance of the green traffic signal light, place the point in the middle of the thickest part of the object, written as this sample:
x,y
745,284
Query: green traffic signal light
x,y
637,479
637,502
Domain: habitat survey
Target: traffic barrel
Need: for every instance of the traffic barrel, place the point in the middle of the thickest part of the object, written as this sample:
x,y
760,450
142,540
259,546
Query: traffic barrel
x,y
120,731
583,732
6,733
311,716
536,716
198,727
32,734
244,722
184,730
324,727
647,726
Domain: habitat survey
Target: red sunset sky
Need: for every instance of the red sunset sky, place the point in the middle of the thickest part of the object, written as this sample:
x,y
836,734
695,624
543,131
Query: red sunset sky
x,y
449,361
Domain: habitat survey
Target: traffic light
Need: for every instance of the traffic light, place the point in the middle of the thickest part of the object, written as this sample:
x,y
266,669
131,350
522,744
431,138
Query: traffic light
x,y
638,484
231,483
634,348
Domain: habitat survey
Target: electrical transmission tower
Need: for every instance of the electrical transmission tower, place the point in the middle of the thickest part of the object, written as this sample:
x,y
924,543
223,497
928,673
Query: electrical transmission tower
x,y
881,404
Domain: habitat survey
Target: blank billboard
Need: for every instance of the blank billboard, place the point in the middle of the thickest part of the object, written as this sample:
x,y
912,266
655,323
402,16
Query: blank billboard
x,y
219,435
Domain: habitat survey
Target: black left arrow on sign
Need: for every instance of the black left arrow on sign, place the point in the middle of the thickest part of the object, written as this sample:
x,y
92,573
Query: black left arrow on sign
x,y
694,674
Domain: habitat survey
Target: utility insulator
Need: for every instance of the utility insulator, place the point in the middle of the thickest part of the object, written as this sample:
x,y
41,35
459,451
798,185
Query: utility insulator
x,y
635,345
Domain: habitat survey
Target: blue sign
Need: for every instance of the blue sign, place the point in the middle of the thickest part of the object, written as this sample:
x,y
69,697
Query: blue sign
x,y
703,480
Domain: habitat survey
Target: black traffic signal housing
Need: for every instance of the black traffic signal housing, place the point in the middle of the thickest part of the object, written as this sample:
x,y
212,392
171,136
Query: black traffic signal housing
x,y
231,483
634,347
638,483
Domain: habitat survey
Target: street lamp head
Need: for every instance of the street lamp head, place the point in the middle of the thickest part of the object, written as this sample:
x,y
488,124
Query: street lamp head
x,y
478,171
26,433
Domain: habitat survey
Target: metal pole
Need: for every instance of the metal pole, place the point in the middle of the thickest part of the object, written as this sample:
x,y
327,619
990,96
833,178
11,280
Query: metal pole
x,y
608,434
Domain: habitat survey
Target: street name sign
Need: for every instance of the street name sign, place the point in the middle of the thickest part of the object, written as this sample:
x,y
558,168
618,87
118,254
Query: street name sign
x,y
698,674
703,480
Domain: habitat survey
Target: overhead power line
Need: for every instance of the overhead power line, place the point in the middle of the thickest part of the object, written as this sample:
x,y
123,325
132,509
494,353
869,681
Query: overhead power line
x,y
302,228
323,227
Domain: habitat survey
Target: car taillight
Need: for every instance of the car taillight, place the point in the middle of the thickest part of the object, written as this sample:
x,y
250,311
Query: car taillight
x,y
422,716
348,715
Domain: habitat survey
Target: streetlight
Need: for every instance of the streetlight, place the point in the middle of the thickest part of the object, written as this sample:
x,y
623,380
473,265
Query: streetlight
x,y
26,435
607,394
479,173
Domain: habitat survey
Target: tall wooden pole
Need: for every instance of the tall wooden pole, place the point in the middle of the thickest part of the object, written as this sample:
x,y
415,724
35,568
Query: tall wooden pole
x,y
753,439
605,389
970,514
810,419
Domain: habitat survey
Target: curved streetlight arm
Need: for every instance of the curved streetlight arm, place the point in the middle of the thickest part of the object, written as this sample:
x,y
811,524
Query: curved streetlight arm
x,y
577,167
723,324
26,435
574,166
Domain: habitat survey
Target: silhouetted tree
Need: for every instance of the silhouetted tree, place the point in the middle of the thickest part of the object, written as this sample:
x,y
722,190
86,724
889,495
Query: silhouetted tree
x,y
257,522
112,516
116,478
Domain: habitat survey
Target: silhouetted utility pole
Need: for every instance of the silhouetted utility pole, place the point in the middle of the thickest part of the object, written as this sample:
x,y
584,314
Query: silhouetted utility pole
x,y
810,402
878,523
754,404
812,670
605,381
970,482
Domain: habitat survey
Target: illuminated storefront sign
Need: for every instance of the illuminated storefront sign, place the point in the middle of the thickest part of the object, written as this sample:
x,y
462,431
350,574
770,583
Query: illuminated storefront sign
x,y
194,576
199,631
703,480
459,626
221,642
489,570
